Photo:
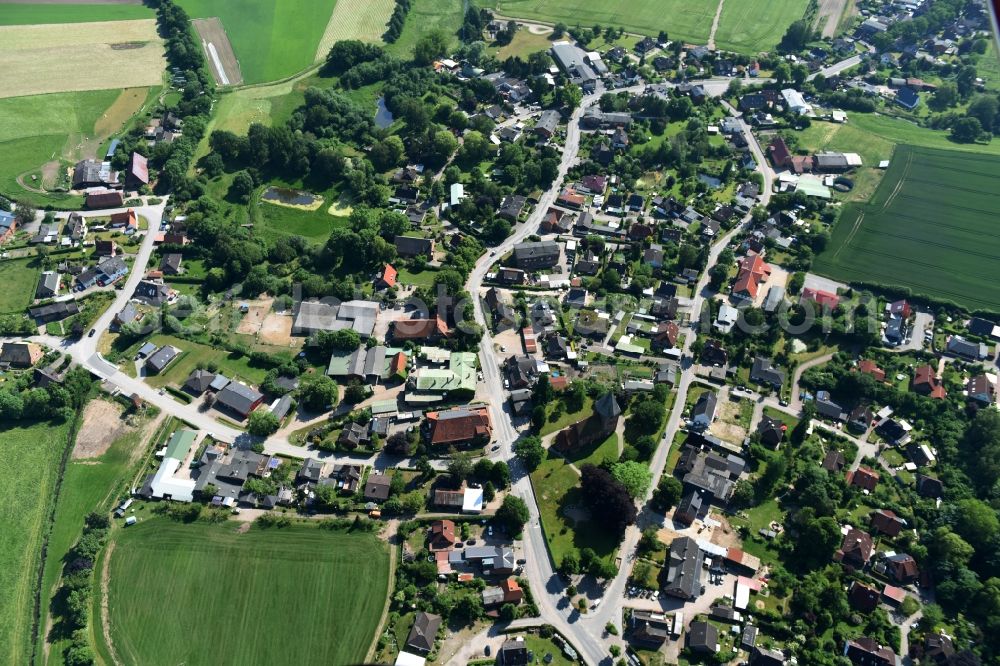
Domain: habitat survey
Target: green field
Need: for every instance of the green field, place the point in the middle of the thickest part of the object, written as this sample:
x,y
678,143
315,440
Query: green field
x,y
32,14
749,26
272,39
19,279
89,484
203,593
36,129
231,365
29,466
424,16
687,20
929,226
315,225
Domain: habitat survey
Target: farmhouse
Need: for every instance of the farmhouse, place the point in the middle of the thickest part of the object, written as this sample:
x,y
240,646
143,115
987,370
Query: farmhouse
x,y
19,355
104,199
137,172
459,425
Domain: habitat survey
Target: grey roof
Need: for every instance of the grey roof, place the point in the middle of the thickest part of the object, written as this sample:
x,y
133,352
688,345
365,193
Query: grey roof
x,y
127,314
684,563
607,408
162,357
171,262
962,347
239,397
702,636
312,470
199,381
764,372
153,293
375,361
774,297
411,245
48,286
424,632
313,316
705,406
548,122
280,410
112,266
539,251
571,58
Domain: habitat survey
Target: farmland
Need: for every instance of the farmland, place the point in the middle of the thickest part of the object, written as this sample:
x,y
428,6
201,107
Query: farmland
x,y
295,595
19,278
29,467
273,39
33,57
929,227
28,13
750,27
355,19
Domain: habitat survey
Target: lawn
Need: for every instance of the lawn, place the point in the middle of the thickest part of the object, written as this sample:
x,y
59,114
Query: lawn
x,y
557,487
543,647
204,593
19,279
557,418
315,226
30,13
929,227
523,45
901,131
231,365
688,20
427,15
272,39
424,278
751,26
88,485
29,468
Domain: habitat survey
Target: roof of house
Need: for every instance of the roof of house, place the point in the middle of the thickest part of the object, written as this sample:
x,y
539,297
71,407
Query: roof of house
x,y
162,357
378,486
20,353
138,168
412,245
765,372
424,632
684,562
459,424
857,546
239,397
702,636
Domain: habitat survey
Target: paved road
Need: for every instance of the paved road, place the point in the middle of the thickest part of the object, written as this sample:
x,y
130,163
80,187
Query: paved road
x,y
796,401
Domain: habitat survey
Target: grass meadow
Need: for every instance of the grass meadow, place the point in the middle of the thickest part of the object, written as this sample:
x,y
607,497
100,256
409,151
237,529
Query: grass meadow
x,y
424,16
557,489
19,279
29,13
356,19
272,39
929,226
203,593
750,26
229,364
29,466
89,484
315,225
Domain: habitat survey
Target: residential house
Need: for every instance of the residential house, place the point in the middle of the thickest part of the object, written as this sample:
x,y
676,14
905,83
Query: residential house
x,y
377,487
714,354
887,522
44,314
902,568
865,651
834,461
104,199
703,412
239,399
161,358
198,382
511,207
411,246
869,367
691,507
136,172
441,535
20,354
860,418
423,633
513,652
152,293
386,279
966,349
8,225
929,486
48,285
856,548
926,382
684,566
771,431
982,389
827,408
865,478
649,629
709,473
105,248
547,124
460,425
824,299
752,271
538,254
895,432
702,638
171,264
765,372
863,597
420,329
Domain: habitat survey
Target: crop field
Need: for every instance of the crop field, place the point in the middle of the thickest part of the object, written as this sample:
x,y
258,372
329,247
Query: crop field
x,y
751,26
427,15
29,464
19,279
273,39
295,595
35,13
688,20
930,227
34,59
219,51
355,19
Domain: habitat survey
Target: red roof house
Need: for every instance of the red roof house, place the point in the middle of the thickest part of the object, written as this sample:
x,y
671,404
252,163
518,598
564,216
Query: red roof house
x,y
753,271
778,150
869,367
459,425
442,536
137,172
387,278
126,219
926,382
887,522
104,199
865,478
512,592
863,597
856,549
822,298
420,329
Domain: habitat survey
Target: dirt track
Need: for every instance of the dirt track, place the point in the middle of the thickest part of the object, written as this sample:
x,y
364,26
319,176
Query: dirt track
x,y
218,50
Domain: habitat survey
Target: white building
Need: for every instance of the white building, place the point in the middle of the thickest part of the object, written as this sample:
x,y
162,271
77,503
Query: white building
x,y
795,103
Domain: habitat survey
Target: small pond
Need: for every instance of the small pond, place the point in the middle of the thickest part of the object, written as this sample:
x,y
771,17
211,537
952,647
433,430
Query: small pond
x,y
290,197
383,116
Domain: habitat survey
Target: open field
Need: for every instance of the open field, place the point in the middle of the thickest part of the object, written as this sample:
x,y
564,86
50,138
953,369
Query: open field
x,y
296,595
219,51
751,26
54,130
89,484
23,13
314,226
355,19
123,54
29,466
687,20
19,279
273,39
427,15
902,131
524,44
929,226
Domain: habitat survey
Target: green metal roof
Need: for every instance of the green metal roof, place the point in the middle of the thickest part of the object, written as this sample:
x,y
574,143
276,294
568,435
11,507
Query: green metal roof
x,y
180,444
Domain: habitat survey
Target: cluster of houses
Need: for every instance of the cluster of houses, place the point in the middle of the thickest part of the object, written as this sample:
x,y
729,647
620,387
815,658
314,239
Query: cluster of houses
x,y
103,187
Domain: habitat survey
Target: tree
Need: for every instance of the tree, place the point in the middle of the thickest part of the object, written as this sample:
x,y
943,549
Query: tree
x,y
570,565
796,37
430,47
508,612
818,538
667,494
262,423
743,494
984,109
242,186
945,97
647,417
530,451
388,153
513,514
608,500
635,476
966,130
319,393
355,393
717,276
460,467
